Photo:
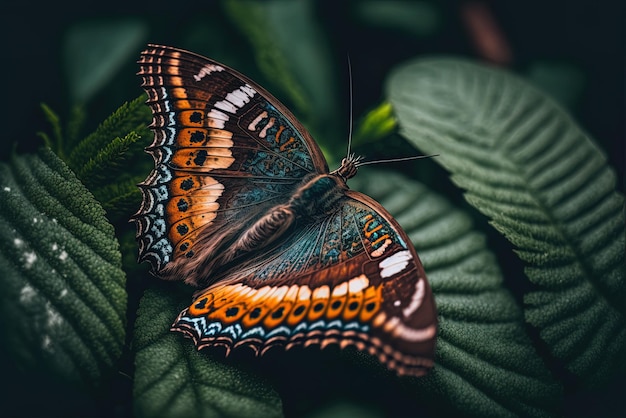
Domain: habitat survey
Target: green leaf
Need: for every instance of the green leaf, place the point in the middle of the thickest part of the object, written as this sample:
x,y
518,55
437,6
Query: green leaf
x,y
376,124
173,379
97,170
485,363
124,127
56,142
120,198
545,186
63,299
96,50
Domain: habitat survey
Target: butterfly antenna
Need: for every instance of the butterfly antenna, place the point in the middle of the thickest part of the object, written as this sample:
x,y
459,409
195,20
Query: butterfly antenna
x,y
394,160
350,91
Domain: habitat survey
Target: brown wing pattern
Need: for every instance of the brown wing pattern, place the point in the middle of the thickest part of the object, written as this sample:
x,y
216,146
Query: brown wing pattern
x,y
224,150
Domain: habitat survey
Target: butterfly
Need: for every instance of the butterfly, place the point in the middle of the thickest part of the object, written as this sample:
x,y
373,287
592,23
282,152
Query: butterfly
x,y
242,205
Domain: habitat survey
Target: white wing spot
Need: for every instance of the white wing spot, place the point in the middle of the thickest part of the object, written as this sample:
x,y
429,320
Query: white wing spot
x,y
413,334
236,99
6,189
394,264
239,97
357,284
207,70
226,106
256,121
381,250
216,119
416,299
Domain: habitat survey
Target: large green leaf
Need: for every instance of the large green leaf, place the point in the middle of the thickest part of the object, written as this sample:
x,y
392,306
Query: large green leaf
x,y
63,300
173,379
485,363
544,184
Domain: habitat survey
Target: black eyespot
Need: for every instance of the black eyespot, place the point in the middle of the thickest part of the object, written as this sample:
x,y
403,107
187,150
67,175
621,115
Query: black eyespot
x,y
201,157
278,312
370,306
318,306
298,310
256,312
336,304
201,303
197,136
353,305
186,184
182,205
232,311
196,117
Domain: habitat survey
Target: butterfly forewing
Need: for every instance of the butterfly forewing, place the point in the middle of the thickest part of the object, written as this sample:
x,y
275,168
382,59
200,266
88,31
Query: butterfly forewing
x,y
222,144
241,204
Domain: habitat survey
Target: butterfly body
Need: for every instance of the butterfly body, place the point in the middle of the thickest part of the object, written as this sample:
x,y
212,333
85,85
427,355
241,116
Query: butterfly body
x,y
241,204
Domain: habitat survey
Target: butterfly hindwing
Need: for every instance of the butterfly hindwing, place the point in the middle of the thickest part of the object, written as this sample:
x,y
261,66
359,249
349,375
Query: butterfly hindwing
x,y
222,144
352,278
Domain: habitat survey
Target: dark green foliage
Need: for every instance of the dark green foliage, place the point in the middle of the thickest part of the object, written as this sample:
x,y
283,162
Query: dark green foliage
x,y
63,307
173,379
111,140
486,365
110,161
545,185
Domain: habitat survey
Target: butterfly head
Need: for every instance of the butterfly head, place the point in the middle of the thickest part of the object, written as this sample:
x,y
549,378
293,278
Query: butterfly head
x,y
349,167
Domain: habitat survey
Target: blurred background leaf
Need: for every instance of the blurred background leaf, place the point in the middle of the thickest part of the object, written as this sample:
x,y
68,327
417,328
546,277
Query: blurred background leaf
x,y
95,50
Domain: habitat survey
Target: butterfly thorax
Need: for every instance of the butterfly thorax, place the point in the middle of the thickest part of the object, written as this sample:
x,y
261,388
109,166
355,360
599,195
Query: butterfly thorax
x,y
317,196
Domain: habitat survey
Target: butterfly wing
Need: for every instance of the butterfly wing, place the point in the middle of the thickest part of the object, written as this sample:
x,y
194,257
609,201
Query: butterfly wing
x,y
224,150
350,278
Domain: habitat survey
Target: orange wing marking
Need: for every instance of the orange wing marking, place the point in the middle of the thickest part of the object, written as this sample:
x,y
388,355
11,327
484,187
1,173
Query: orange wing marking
x,y
272,306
